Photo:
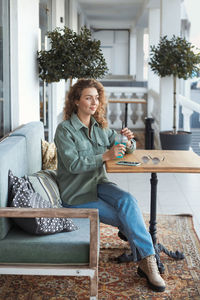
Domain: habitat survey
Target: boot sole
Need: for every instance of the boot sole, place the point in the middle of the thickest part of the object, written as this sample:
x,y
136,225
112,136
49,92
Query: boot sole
x,y
152,286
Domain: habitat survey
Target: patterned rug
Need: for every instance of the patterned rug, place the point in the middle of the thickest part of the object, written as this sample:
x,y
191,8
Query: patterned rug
x,y
120,281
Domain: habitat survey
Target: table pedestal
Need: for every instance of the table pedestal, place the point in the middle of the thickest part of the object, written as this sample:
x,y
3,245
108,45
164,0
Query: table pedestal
x,y
153,230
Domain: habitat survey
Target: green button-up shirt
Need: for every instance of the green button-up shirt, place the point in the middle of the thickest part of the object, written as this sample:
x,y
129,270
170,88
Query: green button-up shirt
x,y
80,164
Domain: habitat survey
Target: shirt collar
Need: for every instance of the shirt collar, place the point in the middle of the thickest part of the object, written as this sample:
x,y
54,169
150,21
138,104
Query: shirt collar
x,y
94,122
77,124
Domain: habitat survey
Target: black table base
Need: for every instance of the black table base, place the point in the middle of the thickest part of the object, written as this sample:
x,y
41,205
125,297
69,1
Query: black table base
x,y
152,229
158,248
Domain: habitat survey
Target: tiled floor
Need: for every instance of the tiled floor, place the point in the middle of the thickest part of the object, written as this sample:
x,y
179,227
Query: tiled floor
x,y
176,193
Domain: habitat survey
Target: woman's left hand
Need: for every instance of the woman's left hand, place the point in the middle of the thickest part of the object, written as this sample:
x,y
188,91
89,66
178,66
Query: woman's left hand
x,y
128,133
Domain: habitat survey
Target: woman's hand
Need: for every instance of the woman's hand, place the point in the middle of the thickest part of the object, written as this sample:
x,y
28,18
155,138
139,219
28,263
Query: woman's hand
x,y
115,151
118,149
128,133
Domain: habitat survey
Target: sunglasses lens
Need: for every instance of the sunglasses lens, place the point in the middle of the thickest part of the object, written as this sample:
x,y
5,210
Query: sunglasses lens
x,y
155,160
145,159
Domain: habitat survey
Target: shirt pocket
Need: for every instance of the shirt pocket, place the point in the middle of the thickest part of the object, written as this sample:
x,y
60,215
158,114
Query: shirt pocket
x,y
83,148
102,145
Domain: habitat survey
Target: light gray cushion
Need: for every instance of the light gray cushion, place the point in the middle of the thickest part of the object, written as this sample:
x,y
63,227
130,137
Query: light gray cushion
x,y
23,195
33,133
12,156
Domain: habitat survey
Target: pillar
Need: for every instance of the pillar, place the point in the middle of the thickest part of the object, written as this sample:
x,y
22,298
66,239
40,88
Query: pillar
x,y
170,23
57,88
153,79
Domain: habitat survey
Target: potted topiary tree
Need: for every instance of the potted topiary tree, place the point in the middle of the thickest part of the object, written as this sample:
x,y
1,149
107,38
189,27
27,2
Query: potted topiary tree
x,y
174,57
72,55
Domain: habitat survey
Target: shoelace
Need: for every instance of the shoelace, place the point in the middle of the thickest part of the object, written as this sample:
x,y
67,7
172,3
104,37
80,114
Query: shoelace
x,y
152,265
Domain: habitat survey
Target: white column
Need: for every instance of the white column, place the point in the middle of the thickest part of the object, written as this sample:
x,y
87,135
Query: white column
x,y
58,88
73,15
140,55
154,36
170,24
24,70
170,14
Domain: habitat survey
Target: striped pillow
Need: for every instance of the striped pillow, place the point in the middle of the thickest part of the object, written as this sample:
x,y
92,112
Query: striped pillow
x,y
44,183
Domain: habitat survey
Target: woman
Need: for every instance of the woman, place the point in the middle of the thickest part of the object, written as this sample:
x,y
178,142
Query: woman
x,y
84,143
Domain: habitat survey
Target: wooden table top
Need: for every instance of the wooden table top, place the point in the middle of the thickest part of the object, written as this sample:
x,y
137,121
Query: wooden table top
x,y
175,161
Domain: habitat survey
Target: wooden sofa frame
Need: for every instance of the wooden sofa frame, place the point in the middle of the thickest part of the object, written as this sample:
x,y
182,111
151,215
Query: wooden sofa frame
x,y
90,270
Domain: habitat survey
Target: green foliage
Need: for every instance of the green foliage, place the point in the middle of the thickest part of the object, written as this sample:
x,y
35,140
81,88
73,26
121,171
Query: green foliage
x,y
175,57
71,55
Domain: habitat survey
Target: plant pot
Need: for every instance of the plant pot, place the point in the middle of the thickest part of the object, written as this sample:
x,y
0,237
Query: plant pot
x,y
180,141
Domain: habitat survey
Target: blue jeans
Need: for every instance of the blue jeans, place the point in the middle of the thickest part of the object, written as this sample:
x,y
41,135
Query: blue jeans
x,y
120,209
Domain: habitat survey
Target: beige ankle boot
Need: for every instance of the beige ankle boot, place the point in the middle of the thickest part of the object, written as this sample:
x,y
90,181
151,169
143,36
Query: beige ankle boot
x,y
148,268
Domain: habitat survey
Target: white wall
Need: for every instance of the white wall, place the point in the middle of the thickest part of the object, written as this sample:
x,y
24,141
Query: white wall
x,y
140,54
24,73
114,45
133,53
121,53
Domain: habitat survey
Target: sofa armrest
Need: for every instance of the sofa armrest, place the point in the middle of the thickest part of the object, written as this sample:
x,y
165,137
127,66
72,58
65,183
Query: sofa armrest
x,y
92,214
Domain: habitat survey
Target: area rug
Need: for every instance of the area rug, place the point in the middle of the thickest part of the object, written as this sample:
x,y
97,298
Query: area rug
x,y
120,281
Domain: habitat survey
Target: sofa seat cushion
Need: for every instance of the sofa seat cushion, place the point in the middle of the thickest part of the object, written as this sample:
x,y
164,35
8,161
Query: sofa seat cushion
x,y
61,248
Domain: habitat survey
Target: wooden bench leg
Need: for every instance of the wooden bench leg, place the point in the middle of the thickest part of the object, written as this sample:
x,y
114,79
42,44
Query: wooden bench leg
x,y
94,287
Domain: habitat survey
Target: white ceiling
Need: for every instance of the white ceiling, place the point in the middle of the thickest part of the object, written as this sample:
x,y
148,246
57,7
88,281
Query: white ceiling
x,y
115,13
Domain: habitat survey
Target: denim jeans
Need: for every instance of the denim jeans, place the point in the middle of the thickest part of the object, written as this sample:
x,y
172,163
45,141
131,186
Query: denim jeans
x,y
120,209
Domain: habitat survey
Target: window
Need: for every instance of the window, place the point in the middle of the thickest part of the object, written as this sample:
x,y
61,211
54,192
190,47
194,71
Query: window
x,y
5,122
45,89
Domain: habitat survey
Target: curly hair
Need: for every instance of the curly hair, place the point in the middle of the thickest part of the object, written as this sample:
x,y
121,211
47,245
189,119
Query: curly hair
x,y
75,94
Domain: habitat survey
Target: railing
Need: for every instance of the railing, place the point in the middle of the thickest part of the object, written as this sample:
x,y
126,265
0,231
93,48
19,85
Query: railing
x,y
136,112
154,108
188,108
137,109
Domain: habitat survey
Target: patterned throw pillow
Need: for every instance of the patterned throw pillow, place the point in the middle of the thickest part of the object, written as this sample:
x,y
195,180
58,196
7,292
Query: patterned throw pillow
x,y
23,195
49,156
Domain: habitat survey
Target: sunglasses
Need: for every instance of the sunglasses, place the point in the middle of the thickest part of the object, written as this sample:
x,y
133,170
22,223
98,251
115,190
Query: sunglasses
x,y
155,160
